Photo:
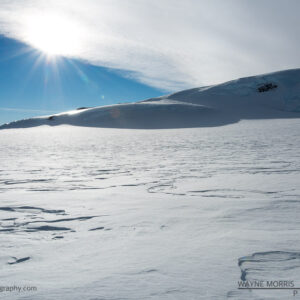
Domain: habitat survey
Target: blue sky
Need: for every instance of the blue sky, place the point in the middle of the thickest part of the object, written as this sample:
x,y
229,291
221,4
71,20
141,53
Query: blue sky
x,y
30,85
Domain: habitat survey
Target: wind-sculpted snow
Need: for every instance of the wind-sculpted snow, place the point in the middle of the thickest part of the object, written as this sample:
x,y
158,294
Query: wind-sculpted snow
x,y
98,213
271,269
258,265
269,96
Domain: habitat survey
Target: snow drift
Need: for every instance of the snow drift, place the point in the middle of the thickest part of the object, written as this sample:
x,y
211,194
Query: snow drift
x,y
274,95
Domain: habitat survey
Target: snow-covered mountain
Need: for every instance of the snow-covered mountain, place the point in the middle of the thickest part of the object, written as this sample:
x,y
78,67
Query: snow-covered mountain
x,y
274,95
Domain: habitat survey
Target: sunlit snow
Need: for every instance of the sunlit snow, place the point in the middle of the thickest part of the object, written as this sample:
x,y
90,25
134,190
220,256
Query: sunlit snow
x,y
186,213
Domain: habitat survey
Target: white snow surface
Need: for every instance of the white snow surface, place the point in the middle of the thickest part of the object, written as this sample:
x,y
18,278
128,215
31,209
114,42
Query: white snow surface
x,y
150,214
109,213
216,105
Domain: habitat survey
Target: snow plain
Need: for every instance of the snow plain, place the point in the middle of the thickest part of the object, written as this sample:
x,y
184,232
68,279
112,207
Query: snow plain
x,y
149,214
182,213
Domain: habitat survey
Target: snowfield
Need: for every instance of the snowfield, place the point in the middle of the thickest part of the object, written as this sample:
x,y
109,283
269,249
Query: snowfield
x,y
186,213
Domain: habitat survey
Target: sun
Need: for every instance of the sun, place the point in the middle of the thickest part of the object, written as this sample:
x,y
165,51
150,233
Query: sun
x,y
53,34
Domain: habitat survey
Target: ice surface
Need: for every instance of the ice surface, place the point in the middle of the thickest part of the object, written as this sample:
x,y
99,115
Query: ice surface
x,y
98,213
216,105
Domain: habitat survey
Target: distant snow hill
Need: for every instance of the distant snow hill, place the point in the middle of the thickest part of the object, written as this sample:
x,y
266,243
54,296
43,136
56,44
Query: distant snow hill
x,y
274,95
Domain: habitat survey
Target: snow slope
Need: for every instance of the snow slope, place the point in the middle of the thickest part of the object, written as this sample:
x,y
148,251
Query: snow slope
x,y
200,107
